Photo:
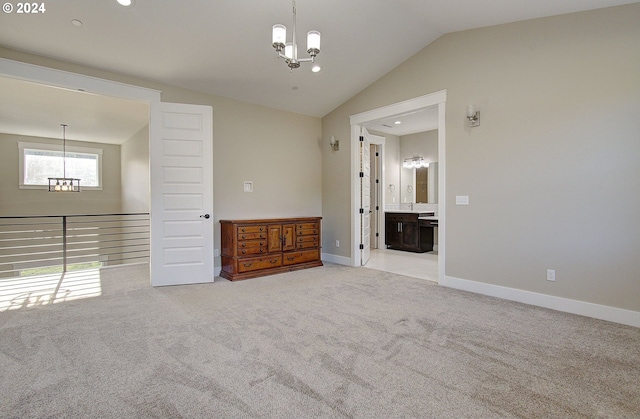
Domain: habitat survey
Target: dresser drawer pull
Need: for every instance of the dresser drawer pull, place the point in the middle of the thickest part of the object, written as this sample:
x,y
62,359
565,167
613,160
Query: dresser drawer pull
x,y
248,264
244,252
272,261
290,258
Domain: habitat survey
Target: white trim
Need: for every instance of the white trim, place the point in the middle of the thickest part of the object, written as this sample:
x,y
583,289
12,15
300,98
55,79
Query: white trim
x,y
22,146
412,105
74,81
382,142
340,260
612,314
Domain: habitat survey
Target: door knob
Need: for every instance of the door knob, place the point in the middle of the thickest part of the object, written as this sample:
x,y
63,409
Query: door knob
x,y
206,216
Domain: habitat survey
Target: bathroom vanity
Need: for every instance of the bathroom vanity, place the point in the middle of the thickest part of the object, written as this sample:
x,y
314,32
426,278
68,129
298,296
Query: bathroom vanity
x,y
410,230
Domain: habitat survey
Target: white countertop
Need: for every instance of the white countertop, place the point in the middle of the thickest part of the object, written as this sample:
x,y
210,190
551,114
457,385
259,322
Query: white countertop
x,y
407,211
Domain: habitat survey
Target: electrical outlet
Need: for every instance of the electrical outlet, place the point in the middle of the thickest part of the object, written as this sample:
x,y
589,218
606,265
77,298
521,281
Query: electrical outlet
x,y
551,275
337,243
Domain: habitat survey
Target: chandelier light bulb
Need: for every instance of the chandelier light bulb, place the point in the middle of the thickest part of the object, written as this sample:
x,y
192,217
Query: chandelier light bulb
x,y
289,50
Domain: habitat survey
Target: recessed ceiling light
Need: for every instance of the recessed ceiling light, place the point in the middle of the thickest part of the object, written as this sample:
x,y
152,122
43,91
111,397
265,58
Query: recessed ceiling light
x,y
126,3
398,122
76,22
316,68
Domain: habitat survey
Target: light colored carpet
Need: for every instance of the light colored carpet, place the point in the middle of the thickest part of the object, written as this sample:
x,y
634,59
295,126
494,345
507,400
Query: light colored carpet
x,y
329,342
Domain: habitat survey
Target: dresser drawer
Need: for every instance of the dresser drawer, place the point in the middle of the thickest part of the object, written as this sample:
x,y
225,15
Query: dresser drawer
x,y
307,231
252,229
306,245
306,226
252,236
255,250
293,258
245,244
255,264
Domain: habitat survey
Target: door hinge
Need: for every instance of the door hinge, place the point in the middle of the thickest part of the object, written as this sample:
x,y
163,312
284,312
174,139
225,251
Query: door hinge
x,y
361,174
361,138
377,180
377,208
361,210
377,154
361,246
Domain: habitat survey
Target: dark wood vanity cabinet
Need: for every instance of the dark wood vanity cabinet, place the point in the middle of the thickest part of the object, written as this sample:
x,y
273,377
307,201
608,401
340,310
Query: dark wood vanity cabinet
x,y
403,231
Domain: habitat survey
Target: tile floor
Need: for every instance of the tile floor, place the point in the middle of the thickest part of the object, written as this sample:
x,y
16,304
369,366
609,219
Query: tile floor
x,y
418,265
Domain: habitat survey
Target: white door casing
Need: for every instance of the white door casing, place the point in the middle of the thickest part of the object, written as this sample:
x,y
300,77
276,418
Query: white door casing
x,y
181,174
417,104
365,196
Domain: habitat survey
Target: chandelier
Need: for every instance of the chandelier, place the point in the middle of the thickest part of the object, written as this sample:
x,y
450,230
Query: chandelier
x,y
64,183
290,49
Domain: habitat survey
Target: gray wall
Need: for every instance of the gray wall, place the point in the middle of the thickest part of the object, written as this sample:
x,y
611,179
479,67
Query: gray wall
x,y
279,151
15,201
552,173
134,155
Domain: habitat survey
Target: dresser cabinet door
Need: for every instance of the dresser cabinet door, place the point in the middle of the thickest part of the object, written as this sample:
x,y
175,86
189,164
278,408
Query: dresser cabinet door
x,y
289,233
275,238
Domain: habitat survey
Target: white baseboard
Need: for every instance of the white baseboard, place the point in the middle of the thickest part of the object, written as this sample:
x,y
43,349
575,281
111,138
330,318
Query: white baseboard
x,y
612,314
340,260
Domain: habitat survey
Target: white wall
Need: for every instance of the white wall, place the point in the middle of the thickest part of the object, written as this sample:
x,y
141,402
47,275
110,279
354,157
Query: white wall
x,y
552,172
135,172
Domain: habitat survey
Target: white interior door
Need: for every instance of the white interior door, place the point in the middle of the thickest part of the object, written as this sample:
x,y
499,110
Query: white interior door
x,y
180,155
365,196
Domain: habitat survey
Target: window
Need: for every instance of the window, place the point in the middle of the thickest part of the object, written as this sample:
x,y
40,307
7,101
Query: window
x,y
39,162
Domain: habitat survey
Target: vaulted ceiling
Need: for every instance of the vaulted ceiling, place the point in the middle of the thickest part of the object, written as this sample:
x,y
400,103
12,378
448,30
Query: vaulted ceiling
x,y
223,47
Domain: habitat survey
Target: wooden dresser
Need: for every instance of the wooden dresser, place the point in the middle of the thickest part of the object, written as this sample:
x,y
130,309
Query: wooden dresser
x,y
252,248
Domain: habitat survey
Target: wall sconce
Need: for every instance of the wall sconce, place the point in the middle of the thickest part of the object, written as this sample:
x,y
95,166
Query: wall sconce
x,y
335,144
473,116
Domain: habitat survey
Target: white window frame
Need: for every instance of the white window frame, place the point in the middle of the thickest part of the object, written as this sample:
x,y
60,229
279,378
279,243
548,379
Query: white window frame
x,y
22,146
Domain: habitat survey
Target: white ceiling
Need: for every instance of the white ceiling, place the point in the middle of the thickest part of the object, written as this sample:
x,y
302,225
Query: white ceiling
x,y
223,47
36,110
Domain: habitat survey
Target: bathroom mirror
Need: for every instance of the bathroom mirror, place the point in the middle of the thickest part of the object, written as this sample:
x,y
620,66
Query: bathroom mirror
x,y
419,185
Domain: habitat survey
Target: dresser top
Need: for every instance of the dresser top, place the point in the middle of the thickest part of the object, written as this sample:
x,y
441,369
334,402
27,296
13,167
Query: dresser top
x,y
271,220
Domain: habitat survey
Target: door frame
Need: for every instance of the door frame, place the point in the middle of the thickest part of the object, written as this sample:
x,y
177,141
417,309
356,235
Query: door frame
x,y
380,142
438,99
79,82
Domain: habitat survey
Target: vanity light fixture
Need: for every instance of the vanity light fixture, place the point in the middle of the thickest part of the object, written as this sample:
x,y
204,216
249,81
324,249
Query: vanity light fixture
x,y
473,116
290,49
335,144
414,162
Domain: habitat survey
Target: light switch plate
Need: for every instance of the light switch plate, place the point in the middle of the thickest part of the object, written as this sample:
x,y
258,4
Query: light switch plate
x,y
248,186
462,200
